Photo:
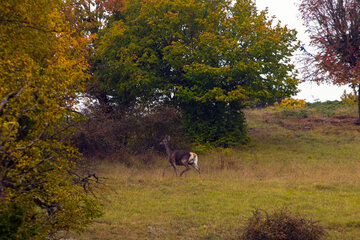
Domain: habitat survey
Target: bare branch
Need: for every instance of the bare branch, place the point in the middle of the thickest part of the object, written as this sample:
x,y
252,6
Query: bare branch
x,y
302,48
87,182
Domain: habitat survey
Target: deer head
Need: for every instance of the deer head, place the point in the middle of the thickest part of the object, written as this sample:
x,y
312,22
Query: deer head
x,y
166,140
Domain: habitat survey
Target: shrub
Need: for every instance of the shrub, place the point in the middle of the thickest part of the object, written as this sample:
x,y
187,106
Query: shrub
x,y
291,103
281,225
349,98
327,108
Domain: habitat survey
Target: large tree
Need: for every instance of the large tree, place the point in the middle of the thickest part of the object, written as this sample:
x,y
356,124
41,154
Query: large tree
x,y
209,58
334,30
42,66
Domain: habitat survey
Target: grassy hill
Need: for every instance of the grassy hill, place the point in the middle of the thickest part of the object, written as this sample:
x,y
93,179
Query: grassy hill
x,y
306,161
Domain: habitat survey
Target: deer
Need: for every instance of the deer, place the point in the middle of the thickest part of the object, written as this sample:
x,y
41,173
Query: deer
x,y
180,158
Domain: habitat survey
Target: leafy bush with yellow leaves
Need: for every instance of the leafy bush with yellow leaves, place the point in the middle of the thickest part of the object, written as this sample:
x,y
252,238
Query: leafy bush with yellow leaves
x,y
290,103
349,98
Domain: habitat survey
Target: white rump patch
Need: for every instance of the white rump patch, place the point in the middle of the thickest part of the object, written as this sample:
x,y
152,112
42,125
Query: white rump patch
x,y
193,159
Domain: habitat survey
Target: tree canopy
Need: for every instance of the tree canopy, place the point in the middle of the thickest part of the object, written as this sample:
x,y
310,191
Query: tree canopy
x,y
42,67
334,30
208,58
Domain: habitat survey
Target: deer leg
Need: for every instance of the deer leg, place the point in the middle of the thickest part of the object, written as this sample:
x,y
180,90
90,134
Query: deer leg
x,y
173,165
185,170
196,167
170,165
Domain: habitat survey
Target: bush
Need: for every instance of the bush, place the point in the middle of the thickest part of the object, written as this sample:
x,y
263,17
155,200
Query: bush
x,y
328,108
349,98
281,225
290,103
120,135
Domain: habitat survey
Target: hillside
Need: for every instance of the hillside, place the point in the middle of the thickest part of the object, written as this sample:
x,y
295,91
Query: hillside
x,y
306,161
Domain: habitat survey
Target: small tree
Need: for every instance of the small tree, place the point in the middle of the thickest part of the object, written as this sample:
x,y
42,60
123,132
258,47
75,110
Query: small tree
x,y
42,66
334,29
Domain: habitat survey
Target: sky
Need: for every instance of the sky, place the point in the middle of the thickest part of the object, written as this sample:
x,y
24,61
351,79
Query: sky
x,y
287,12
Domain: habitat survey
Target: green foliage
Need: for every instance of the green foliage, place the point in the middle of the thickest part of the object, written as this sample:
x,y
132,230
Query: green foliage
x,y
208,58
14,224
42,66
328,108
325,105
210,126
281,225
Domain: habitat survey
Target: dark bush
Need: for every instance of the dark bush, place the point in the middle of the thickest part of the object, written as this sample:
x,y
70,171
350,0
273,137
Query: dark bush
x,y
119,135
281,225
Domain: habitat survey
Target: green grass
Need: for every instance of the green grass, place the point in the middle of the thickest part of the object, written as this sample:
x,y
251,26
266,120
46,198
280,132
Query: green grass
x,y
310,168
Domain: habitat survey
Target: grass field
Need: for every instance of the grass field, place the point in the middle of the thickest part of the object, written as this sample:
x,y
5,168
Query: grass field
x,y
306,161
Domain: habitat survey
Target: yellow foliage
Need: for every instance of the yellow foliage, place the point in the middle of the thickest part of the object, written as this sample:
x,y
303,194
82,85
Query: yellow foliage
x,y
290,103
42,66
349,98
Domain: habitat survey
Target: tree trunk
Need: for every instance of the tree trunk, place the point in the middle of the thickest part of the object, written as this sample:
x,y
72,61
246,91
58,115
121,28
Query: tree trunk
x,y
358,121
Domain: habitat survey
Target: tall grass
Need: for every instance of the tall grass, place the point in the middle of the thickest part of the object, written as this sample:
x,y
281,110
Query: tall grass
x,y
310,168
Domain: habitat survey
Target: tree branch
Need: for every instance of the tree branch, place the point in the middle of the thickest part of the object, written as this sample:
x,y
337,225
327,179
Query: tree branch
x,y
50,207
12,95
30,144
28,25
6,99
